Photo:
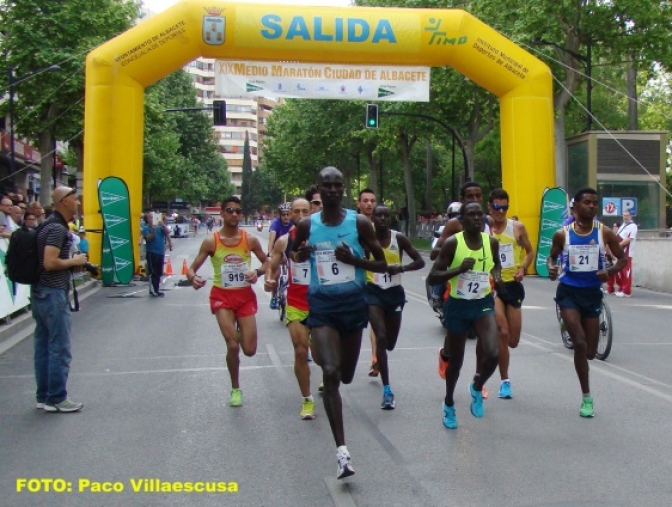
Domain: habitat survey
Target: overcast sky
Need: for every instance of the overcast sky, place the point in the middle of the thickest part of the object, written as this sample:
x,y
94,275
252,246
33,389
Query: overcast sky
x,y
160,5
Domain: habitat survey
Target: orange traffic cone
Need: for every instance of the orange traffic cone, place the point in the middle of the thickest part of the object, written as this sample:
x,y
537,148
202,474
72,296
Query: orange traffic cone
x,y
185,268
169,267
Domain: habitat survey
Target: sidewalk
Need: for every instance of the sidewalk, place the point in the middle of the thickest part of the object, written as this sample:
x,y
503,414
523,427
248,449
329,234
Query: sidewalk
x,y
22,325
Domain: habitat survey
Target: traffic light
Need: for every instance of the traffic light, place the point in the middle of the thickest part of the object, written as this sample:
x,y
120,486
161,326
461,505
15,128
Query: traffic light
x,y
219,112
372,116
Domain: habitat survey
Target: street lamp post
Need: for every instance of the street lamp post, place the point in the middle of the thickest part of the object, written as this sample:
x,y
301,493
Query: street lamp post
x,y
11,81
587,60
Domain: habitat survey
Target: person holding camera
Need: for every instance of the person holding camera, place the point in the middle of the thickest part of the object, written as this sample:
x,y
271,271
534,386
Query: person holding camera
x,y
155,239
50,305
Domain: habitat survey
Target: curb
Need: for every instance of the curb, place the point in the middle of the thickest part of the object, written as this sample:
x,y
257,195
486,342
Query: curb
x,y
22,325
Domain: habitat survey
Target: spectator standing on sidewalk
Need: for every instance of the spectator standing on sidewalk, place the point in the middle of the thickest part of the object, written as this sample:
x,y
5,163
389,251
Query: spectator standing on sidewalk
x,y
51,307
156,237
627,236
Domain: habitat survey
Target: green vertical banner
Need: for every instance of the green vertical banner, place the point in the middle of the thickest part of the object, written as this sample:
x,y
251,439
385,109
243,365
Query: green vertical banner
x,y
554,211
118,262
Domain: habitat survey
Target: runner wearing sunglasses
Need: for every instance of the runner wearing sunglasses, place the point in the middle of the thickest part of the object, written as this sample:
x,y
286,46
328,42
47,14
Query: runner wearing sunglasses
x,y
516,255
232,300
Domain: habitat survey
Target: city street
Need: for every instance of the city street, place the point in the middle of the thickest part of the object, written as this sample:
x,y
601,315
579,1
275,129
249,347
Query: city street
x,y
152,376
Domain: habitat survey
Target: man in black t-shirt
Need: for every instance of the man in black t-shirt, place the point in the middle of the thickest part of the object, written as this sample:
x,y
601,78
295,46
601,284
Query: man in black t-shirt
x,y
51,307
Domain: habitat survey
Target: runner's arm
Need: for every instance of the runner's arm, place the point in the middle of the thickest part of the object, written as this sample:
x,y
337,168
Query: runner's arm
x,y
612,243
253,274
552,259
524,241
271,280
367,238
300,248
440,272
206,250
496,271
406,246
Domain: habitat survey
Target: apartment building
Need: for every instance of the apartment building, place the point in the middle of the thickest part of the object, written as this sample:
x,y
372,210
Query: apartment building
x,y
244,114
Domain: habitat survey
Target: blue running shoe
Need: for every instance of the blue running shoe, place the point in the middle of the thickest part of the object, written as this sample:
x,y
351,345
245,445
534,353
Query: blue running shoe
x,y
477,408
310,357
274,303
449,417
388,402
505,391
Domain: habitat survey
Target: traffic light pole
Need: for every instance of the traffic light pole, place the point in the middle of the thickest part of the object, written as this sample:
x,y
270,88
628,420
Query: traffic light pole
x,y
444,125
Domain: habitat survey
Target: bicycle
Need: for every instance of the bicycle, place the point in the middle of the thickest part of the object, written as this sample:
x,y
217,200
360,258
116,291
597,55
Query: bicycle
x,y
606,331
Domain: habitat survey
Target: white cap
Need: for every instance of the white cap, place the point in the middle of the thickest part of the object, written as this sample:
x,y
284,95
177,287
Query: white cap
x,y
454,207
81,229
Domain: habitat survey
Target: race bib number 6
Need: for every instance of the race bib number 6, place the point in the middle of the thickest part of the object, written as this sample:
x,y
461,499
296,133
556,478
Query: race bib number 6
x,y
233,275
331,271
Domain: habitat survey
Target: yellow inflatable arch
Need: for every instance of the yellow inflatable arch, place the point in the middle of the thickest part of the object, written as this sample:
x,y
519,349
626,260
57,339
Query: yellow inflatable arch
x,y
118,72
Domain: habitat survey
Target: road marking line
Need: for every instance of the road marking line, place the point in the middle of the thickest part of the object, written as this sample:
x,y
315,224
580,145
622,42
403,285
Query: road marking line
x,y
339,492
603,368
275,359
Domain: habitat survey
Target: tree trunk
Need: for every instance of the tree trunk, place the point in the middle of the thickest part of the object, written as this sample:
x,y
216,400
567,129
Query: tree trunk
x,y
430,178
45,140
405,145
633,118
373,170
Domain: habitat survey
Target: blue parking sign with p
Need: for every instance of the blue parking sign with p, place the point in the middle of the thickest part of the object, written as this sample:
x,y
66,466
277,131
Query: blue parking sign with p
x,y
629,204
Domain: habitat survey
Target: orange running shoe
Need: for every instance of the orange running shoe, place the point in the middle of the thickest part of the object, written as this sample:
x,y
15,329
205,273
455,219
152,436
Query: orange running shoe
x,y
375,369
443,364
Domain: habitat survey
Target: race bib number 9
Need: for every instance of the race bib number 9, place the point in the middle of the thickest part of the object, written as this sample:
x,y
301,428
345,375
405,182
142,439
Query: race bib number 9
x,y
233,275
506,255
473,285
386,280
331,271
301,273
583,258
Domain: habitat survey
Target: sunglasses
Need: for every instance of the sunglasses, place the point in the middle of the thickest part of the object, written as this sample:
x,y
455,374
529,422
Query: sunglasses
x,y
237,211
316,203
72,192
500,207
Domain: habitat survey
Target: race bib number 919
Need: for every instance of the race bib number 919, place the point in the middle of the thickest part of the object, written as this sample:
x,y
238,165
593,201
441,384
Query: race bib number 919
x,y
233,275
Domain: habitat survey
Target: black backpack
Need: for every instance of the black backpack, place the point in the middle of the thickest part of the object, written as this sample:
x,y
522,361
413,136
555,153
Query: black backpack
x,y
22,257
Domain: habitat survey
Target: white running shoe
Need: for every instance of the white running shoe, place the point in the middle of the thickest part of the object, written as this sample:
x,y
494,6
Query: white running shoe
x,y
344,463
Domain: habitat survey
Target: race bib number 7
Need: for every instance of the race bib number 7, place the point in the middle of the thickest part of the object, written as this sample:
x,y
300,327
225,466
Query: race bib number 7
x,y
301,273
331,271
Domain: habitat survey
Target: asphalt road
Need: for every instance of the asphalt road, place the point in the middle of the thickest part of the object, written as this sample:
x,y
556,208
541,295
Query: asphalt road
x,y
153,379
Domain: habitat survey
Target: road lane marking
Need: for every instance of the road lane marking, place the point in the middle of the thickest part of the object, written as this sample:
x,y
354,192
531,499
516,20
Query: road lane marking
x,y
275,360
603,368
339,492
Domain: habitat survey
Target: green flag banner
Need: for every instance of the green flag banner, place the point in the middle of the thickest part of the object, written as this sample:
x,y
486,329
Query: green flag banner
x,y
554,210
118,263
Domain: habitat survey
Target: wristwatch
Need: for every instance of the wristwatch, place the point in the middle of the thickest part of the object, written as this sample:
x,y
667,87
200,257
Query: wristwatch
x,y
260,272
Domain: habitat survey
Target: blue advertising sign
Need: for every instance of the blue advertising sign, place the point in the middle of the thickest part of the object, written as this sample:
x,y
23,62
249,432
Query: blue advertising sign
x,y
616,206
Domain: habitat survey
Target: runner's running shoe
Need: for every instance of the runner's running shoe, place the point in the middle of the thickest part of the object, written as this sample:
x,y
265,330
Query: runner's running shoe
x,y
388,402
344,463
375,369
236,398
449,417
477,408
307,410
587,408
505,391
274,304
443,364
484,392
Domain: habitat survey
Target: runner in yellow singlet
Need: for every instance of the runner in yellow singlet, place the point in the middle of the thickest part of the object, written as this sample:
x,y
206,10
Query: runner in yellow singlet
x,y
515,254
232,299
467,260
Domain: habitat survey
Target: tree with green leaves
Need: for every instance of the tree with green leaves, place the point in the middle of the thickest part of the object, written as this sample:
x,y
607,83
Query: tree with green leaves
x,y
246,197
39,33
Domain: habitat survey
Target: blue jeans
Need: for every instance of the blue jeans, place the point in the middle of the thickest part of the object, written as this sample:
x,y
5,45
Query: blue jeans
x,y
51,311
